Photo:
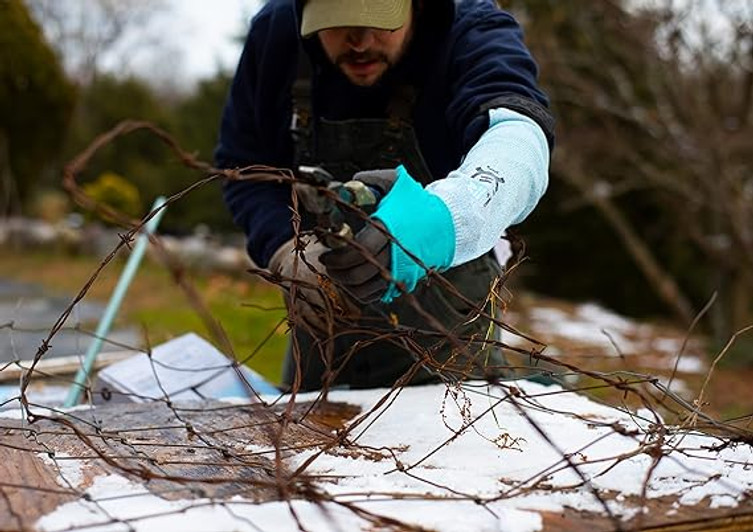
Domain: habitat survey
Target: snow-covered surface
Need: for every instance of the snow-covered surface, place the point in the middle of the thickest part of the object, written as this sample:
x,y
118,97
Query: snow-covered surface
x,y
434,450
607,333
70,470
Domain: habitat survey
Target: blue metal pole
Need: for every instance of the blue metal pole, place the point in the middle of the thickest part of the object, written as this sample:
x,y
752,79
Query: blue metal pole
x,y
103,328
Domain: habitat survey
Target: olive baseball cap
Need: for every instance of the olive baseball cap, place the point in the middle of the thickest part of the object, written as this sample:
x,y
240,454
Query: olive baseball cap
x,y
381,14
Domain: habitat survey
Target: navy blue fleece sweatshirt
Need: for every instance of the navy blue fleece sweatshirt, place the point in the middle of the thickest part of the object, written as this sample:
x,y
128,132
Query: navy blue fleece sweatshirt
x,y
466,58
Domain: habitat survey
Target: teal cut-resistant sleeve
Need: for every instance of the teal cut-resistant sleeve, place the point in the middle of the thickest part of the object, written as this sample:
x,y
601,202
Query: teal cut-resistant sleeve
x,y
422,224
498,184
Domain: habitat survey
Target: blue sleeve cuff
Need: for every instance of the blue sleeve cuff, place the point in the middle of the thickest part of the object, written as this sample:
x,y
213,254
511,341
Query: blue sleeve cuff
x,y
422,224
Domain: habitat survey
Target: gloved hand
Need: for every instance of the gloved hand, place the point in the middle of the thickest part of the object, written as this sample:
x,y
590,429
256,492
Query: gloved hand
x,y
360,271
381,180
315,294
416,219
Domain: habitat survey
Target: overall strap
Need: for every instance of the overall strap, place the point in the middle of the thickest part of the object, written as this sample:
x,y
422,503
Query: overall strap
x,y
390,142
400,129
301,123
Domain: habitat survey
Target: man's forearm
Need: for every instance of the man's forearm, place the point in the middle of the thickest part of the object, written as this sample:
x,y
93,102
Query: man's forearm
x,y
497,185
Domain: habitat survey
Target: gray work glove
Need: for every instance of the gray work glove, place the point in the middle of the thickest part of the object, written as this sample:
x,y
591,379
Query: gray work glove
x,y
381,180
316,295
360,269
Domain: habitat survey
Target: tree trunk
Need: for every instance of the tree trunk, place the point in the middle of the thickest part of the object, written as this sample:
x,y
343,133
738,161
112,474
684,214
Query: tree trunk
x,y
741,314
662,283
10,202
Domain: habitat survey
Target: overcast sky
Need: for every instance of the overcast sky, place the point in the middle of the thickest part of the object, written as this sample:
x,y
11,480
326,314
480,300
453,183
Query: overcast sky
x,y
203,32
166,42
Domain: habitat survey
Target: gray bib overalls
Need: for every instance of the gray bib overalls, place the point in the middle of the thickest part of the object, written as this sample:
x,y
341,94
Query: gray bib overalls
x,y
389,338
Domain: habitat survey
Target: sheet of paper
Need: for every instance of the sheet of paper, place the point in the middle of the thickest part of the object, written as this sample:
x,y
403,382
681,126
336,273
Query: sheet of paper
x,y
185,368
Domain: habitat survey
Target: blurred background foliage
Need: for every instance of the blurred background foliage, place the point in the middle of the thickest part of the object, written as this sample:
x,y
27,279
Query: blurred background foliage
x,y
48,117
650,204
36,102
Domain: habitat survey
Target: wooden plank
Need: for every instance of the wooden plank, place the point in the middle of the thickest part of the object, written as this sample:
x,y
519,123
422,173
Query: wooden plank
x,y
181,452
662,516
28,489
59,365
217,450
726,523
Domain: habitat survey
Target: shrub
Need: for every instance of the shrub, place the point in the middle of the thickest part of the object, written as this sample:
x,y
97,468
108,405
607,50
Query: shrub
x,y
116,192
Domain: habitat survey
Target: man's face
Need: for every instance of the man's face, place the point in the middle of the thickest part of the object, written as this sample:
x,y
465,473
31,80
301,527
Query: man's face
x,y
365,54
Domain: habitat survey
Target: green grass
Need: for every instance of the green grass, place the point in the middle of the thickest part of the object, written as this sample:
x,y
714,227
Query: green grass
x,y
248,309
251,331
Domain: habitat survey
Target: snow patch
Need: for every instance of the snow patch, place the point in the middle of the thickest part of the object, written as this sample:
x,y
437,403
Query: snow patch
x,y
439,449
70,470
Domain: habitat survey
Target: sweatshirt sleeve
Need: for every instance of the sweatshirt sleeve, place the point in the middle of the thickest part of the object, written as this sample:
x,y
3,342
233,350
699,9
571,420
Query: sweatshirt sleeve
x,y
254,130
503,127
490,67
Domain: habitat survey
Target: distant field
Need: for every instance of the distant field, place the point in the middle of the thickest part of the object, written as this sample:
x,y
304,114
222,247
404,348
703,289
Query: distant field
x,y
248,309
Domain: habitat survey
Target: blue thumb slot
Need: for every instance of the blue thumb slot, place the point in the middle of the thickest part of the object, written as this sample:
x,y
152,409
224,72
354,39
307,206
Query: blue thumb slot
x,y
422,224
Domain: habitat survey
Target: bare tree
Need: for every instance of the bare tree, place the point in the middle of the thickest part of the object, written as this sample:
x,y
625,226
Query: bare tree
x,y
657,101
703,86
87,32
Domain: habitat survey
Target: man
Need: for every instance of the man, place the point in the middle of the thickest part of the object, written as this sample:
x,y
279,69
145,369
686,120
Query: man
x,y
436,104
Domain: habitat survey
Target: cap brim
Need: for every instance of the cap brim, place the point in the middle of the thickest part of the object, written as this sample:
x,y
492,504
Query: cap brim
x,y
380,14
